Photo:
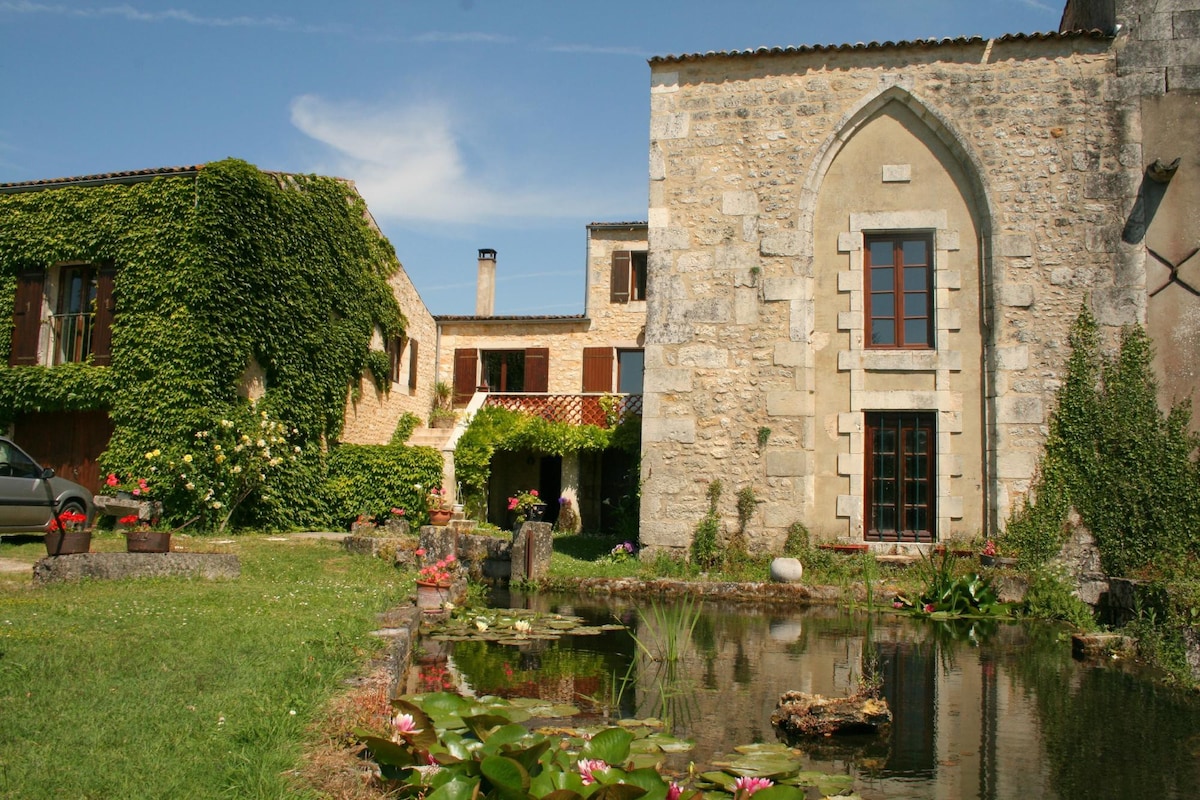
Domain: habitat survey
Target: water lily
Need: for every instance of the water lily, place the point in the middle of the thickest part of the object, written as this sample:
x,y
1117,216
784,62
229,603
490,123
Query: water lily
x,y
750,785
404,724
589,765
481,625
674,791
521,626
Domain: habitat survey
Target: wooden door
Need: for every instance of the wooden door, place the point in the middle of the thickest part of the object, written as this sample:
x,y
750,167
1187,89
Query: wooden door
x,y
69,442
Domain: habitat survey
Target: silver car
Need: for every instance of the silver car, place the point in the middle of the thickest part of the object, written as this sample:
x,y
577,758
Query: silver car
x,y
26,491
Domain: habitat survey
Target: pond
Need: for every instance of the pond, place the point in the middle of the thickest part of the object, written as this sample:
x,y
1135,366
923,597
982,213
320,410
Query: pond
x,y
986,710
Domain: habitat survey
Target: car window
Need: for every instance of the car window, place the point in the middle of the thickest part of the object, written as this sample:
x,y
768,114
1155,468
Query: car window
x,y
22,465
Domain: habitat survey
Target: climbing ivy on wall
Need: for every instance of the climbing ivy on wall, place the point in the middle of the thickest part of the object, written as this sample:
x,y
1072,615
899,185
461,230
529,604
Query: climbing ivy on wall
x,y
1129,470
494,428
215,271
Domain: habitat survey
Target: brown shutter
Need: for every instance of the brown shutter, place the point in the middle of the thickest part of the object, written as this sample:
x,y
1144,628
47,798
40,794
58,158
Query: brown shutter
x,y
597,369
102,323
27,319
537,369
412,365
620,276
466,367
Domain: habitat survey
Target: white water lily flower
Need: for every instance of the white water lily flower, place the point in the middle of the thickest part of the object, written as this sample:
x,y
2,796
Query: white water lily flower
x,y
521,626
481,625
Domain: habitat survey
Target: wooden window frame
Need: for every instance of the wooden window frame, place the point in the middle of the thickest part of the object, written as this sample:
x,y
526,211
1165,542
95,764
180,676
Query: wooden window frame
x,y
628,276
897,291
901,422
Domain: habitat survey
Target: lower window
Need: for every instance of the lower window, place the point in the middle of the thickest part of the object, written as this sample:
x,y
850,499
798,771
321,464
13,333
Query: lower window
x,y
900,476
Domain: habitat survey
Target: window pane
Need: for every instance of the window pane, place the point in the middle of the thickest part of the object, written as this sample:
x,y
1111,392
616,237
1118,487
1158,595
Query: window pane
x,y
916,331
883,331
916,252
916,279
885,440
883,305
916,304
881,253
629,365
883,280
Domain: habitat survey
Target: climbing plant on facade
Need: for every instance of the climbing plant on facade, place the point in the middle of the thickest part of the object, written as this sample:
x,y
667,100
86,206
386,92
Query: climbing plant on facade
x,y
219,273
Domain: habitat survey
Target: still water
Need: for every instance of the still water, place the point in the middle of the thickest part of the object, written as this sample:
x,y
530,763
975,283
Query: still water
x,y
979,711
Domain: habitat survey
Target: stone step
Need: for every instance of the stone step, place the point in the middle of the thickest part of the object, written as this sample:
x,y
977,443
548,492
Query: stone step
x,y
429,437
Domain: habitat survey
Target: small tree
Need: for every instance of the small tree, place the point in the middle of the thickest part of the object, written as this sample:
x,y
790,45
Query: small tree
x,y
706,552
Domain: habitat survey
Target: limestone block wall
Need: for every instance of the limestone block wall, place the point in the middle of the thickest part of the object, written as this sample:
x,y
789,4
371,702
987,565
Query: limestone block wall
x,y
372,418
1015,156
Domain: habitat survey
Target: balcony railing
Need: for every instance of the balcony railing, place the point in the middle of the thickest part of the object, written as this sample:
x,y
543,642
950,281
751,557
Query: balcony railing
x,y
602,410
72,337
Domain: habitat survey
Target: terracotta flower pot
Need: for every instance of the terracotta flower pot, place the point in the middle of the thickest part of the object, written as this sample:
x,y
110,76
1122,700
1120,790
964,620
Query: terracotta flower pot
x,y
536,512
431,596
439,516
147,541
68,543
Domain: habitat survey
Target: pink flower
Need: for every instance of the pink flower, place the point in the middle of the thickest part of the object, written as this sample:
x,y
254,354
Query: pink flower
x,y
420,551
450,558
111,480
587,767
929,608
404,724
512,503
897,604
533,492
674,791
750,785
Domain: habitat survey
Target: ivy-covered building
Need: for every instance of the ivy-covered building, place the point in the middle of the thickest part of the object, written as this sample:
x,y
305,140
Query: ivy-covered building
x,y
151,307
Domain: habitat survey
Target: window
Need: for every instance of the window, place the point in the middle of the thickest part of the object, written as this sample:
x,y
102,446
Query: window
x,y
630,367
899,291
503,370
628,282
900,479
395,351
80,319
521,371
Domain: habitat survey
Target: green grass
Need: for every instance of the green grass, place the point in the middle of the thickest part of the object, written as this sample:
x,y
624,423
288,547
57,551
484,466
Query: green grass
x,y
181,688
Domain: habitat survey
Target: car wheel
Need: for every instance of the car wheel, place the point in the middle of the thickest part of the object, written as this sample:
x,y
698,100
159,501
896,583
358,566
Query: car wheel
x,y
72,505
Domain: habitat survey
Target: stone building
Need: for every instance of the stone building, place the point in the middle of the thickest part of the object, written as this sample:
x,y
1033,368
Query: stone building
x,y
580,368
864,261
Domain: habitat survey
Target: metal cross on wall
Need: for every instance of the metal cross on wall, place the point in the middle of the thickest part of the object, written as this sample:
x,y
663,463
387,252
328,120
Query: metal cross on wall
x,y
1174,272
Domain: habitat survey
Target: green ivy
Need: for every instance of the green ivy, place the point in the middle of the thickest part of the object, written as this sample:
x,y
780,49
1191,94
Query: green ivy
x,y
217,270
1128,469
373,479
494,428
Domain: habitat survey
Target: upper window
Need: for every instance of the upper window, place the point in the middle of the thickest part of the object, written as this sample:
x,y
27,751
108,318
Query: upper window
x,y
628,276
78,309
899,274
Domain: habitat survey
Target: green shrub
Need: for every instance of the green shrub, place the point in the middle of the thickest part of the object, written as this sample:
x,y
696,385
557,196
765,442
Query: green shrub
x,y
706,549
1050,596
373,479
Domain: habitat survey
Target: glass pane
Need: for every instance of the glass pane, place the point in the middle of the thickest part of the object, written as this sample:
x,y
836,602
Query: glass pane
x,y
916,304
885,441
883,331
629,368
918,493
917,440
916,519
883,305
916,279
916,252
881,253
916,331
886,520
885,467
886,491
883,280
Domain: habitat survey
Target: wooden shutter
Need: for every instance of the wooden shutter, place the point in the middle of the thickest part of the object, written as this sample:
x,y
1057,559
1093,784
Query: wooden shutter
x,y
537,369
466,368
597,369
620,276
412,365
27,318
102,322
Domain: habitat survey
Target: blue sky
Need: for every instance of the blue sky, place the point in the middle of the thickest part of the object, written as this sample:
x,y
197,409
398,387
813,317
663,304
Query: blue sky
x,y
507,124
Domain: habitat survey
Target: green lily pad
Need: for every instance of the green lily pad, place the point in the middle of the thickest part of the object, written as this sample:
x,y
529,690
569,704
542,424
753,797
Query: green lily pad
x,y
765,765
670,744
765,748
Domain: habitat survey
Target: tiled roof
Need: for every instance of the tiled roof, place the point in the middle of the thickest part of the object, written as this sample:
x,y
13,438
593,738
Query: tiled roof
x,y
914,43
511,318
131,176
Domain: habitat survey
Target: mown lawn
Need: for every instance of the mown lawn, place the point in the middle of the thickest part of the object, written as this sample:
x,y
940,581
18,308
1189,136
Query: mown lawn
x,y
166,688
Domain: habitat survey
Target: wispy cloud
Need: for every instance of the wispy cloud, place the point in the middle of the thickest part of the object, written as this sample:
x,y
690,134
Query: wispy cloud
x,y
133,14
408,163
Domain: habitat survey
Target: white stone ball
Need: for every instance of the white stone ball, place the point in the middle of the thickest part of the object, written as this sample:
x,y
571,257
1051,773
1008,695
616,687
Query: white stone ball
x,y
786,570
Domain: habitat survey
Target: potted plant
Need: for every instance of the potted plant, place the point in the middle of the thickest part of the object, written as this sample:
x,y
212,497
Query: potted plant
x,y
442,414
438,505
528,507
140,536
67,533
434,581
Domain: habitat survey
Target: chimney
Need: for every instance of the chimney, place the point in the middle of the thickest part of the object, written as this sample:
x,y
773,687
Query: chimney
x,y
485,286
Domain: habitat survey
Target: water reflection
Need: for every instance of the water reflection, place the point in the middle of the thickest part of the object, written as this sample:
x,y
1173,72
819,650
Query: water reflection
x,y
995,711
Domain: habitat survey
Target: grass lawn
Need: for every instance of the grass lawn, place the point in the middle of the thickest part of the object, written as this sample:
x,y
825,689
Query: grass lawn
x,y
170,688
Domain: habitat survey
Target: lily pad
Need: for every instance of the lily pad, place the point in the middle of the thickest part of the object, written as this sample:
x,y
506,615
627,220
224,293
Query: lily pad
x,y
767,765
765,748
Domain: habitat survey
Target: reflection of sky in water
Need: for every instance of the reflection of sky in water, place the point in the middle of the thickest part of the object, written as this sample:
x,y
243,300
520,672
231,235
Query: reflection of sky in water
x,y
987,711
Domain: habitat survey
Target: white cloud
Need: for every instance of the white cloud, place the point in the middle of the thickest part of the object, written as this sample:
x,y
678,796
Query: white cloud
x,y
408,163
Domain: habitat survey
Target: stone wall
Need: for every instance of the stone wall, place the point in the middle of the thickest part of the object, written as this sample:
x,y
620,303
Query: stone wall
x,y
766,170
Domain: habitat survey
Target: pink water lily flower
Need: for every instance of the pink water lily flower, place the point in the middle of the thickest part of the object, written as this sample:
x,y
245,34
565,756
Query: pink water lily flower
x,y
750,785
589,765
674,791
404,724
